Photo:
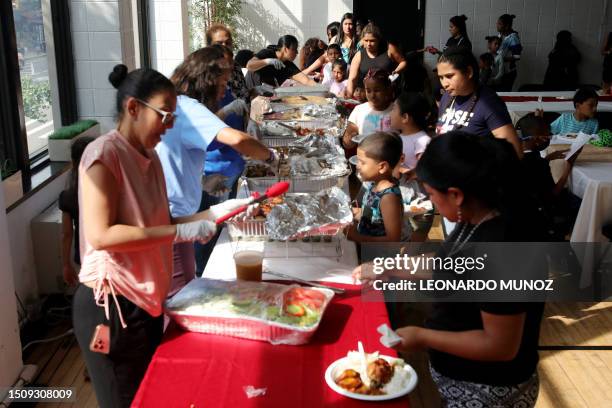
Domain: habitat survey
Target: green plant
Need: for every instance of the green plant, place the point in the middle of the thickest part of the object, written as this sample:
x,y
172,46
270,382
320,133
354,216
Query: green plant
x,y
68,132
204,13
36,98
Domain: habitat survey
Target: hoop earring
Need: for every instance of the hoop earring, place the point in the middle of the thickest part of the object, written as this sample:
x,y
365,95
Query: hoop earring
x,y
459,216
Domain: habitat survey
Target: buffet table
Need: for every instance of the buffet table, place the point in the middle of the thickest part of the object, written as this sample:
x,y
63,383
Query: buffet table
x,y
591,180
321,268
201,370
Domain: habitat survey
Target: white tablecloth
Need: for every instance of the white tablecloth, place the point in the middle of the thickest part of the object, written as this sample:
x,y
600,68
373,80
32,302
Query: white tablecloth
x,y
593,183
519,109
309,267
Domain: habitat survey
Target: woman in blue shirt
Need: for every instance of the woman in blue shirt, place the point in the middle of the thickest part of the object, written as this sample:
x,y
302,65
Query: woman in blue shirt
x,y
201,77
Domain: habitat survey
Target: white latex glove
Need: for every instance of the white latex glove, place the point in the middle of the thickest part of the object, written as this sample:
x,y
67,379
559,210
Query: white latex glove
x,y
278,64
223,208
201,231
214,184
237,107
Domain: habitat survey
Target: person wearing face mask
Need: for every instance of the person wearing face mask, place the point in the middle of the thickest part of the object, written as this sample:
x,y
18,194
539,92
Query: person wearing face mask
x,y
375,54
200,82
465,105
275,66
126,238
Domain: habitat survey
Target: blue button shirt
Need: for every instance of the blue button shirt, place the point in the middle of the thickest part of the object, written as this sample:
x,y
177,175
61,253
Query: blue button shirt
x,y
182,152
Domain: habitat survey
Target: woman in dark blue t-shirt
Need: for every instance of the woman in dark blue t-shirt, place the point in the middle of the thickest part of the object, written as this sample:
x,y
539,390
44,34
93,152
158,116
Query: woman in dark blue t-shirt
x,y
465,105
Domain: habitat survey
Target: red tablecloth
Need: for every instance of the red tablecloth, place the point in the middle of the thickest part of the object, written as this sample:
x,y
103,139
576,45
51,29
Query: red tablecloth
x,y
201,370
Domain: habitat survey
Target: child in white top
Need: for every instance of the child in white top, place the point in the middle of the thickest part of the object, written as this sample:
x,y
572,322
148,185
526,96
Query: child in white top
x,y
338,85
331,54
374,115
409,116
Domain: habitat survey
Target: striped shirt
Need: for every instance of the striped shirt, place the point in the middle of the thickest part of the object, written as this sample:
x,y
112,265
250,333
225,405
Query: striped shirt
x,y
567,123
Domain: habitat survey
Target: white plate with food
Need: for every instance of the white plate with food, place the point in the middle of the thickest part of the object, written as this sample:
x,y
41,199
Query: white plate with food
x,y
418,206
379,378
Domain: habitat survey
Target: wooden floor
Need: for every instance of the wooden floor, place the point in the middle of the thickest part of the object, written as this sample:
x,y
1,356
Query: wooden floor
x,y
569,378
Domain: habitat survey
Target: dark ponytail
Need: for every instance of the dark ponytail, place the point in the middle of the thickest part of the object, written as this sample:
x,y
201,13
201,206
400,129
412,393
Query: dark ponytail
x,y
459,22
141,83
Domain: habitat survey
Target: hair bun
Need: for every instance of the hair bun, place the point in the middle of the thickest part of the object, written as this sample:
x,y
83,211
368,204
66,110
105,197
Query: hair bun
x,y
119,73
512,16
463,17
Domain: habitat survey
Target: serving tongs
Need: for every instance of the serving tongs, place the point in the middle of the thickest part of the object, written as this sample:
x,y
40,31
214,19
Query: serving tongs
x,y
338,291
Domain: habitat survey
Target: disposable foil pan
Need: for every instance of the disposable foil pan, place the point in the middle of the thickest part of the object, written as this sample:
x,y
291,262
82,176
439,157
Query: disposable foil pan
x,y
247,327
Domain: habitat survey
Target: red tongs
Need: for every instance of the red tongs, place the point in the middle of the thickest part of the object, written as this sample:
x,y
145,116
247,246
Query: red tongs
x,y
273,191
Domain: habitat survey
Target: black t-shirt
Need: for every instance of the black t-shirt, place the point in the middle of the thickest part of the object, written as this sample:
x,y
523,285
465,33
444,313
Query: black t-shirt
x,y
69,203
268,74
463,43
456,317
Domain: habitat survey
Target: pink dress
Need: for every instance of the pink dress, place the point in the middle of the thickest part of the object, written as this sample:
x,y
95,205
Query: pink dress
x,y
143,275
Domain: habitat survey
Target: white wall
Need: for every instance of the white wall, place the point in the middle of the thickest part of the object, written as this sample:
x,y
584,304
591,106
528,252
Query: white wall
x,y
264,21
169,34
537,22
102,36
10,345
20,244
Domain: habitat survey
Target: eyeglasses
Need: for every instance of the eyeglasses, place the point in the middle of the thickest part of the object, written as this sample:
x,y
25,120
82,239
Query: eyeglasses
x,y
167,117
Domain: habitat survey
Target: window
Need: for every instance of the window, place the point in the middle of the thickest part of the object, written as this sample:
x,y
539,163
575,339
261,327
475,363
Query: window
x,y
37,92
33,64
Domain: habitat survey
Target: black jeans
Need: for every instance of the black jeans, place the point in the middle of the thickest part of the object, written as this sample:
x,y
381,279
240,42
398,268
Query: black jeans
x,y
117,375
